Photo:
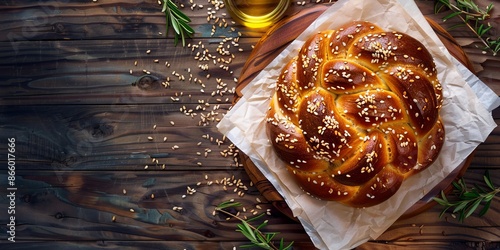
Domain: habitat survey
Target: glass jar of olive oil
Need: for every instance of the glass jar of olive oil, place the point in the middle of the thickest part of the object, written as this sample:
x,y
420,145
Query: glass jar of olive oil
x,y
257,13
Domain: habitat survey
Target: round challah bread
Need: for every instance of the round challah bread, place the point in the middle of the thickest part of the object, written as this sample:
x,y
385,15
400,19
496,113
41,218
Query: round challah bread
x,y
356,113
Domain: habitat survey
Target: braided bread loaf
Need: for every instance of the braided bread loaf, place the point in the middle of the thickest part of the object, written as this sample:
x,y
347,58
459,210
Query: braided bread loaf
x,y
356,113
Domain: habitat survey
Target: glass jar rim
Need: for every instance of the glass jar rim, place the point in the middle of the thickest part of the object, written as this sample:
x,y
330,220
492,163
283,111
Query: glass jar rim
x,y
258,21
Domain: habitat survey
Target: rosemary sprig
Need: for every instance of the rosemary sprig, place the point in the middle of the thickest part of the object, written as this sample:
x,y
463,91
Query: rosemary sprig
x,y
468,200
474,17
178,21
256,237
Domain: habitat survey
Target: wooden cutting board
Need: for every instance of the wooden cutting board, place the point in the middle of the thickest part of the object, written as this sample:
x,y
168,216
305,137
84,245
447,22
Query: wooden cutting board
x,y
271,44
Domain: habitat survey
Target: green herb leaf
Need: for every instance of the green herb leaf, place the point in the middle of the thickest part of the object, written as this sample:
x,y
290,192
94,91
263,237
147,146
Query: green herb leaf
x,y
470,195
460,206
440,201
485,208
458,185
176,19
228,204
487,180
466,200
472,16
246,230
453,14
472,208
255,217
443,212
254,234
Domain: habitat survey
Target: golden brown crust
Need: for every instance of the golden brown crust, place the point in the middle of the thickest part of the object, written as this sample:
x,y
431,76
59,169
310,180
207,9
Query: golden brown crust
x,y
356,112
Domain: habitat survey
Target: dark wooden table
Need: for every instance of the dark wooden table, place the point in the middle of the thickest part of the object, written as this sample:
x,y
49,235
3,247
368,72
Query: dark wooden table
x,y
115,138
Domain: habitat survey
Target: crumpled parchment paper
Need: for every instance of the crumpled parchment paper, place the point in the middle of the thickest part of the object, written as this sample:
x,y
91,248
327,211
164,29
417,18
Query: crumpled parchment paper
x,y
467,118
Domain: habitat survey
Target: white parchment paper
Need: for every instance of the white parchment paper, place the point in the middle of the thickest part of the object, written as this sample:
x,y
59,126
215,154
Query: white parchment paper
x,y
468,122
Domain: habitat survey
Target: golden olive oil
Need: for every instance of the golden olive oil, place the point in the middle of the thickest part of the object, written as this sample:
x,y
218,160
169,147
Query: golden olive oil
x,y
257,13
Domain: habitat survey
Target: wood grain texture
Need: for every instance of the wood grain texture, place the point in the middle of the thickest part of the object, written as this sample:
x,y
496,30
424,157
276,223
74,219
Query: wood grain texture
x,y
82,122
90,137
79,206
110,71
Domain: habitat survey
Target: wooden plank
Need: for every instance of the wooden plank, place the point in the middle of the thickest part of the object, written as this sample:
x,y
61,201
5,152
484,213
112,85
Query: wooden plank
x,y
56,72
36,20
436,245
97,72
225,245
114,19
93,137
138,20
81,205
140,245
